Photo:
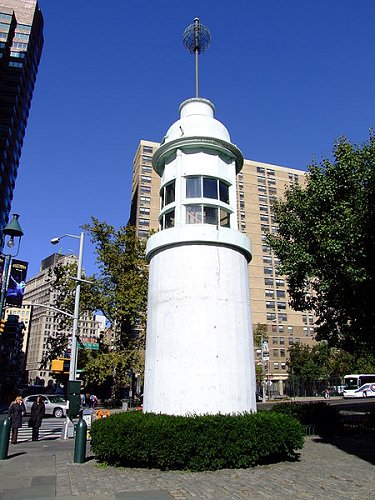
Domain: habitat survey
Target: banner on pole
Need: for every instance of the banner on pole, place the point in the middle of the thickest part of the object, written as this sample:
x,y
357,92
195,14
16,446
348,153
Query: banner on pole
x,y
2,261
17,283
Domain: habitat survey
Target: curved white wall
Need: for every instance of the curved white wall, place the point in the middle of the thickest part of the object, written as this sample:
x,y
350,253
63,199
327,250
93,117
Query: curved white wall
x,y
199,353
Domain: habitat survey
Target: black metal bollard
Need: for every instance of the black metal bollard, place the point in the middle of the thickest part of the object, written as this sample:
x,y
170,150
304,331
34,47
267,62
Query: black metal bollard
x,y
80,442
4,438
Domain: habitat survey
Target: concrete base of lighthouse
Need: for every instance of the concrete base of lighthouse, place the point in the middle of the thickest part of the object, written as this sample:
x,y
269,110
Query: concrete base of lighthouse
x,y
199,353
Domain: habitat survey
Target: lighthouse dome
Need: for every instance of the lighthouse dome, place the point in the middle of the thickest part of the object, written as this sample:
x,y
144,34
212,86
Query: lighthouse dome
x,y
197,120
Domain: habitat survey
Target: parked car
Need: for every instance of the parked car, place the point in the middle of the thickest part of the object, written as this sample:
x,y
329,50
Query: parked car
x,y
55,404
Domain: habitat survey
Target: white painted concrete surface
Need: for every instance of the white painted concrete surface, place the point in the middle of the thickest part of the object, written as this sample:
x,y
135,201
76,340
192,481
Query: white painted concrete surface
x,y
199,356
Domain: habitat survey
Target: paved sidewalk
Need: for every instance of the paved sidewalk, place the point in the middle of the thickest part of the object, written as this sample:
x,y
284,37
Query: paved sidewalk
x,y
44,470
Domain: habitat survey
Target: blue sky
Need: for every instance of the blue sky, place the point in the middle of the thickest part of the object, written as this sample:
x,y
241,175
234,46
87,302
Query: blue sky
x,y
287,79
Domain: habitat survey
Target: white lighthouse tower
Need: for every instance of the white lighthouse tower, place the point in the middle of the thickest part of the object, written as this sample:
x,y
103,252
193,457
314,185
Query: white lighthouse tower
x,y
199,347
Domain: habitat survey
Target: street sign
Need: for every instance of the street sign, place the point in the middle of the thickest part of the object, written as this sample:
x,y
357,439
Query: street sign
x,y
88,345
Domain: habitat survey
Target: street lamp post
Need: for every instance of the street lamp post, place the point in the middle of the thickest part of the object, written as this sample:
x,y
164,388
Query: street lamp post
x,y
13,230
74,348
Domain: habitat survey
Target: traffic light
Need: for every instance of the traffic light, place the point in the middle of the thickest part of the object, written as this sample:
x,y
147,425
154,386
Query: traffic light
x,y
2,325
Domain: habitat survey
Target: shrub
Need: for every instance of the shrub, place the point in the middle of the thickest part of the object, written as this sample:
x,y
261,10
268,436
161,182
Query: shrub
x,y
206,442
324,417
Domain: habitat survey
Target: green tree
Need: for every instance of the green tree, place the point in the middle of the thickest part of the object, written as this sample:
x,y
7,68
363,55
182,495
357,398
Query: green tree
x,y
110,372
122,284
326,245
260,335
119,290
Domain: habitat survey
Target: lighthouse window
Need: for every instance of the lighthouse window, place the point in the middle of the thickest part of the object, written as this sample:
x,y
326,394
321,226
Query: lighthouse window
x,y
224,218
193,187
210,215
167,194
193,214
224,192
196,214
168,219
210,188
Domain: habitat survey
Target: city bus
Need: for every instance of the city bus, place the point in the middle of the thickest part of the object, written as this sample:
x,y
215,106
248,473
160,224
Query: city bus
x,y
359,386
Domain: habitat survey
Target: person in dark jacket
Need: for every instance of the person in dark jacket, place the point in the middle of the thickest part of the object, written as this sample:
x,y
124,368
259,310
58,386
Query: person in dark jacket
x,y
38,410
16,411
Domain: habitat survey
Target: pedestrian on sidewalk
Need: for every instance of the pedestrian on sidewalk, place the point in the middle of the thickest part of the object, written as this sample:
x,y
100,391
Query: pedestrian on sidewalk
x,y
38,411
93,400
16,411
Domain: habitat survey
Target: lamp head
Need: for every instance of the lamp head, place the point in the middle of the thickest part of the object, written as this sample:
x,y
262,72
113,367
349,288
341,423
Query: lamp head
x,y
13,229
55,241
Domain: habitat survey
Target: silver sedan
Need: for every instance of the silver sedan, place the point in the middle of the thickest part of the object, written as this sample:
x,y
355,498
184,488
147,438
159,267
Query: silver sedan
x,y
55,405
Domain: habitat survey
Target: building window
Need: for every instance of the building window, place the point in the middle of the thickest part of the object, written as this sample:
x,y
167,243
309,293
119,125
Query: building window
x,y
269,293
290,341
280,294
270,172
270,304
275,353
147,150
144,211
281,305
145,189
280,282
276,366
261,170
22,36
146,179
145,200
144,222
282,340
268,281
271,316
283,317
305,330
282,353
267,270
275,341
146,170
14,64
283,366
